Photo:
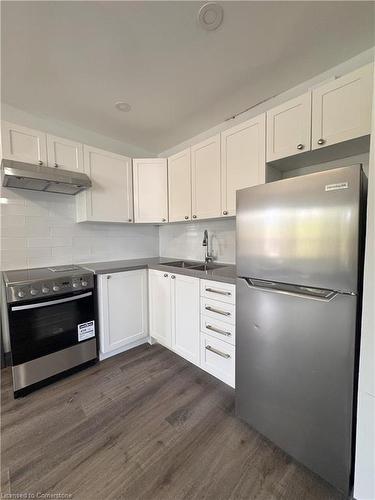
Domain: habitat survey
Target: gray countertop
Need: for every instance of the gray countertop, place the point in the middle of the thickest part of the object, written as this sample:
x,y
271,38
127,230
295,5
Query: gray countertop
x,y
226,273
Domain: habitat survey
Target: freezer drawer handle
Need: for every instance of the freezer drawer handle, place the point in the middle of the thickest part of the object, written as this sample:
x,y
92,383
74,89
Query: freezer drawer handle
x,y
219,353
294,290
218,311
220,292
217,330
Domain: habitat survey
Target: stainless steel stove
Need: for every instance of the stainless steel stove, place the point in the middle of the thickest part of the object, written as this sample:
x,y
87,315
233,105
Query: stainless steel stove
x,y
51,323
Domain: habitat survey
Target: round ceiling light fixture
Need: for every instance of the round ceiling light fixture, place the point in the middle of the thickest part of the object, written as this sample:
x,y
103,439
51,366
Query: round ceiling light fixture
x,y
210,16
123,106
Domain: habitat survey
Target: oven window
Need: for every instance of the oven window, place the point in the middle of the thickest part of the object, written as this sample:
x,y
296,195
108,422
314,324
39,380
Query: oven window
x,y
42,330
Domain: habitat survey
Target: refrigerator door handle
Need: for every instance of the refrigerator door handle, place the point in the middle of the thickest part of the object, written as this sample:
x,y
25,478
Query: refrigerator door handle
x,y
294,290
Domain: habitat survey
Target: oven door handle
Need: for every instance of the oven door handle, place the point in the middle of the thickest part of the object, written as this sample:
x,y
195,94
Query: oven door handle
x,y
51,302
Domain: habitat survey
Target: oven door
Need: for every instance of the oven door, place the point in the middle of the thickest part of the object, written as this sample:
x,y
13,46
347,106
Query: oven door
x,y
42,327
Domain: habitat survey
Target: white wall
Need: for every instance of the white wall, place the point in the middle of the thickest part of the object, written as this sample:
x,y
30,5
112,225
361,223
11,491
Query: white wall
x,y
70,131
184,240
39,229
364,479
339,70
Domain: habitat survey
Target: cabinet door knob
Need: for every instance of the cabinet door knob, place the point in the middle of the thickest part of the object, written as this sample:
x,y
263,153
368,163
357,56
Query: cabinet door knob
x,y
56,165
186,217
40,162
194,216
225,212
321,141
173,276
165,275
129,220
163,220
300,146
109,277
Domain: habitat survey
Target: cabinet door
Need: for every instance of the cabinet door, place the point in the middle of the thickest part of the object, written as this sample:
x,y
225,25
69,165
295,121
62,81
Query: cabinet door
x,y
160,307
205,164
23,144
150,190
243,160
64,154
185,317
342,108
110,198
122,309
179,186
289,128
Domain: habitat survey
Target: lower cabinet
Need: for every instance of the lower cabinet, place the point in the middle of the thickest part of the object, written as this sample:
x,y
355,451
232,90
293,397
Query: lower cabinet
x,y
218,358
184,318
160,307
174,313
123,306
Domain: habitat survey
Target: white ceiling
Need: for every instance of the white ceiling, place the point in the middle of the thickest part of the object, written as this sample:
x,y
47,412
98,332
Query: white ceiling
x,y
72,60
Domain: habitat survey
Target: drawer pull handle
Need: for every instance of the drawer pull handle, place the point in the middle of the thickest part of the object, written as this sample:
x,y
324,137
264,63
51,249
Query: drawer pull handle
x,y
219,353
217,330
218,311
220,292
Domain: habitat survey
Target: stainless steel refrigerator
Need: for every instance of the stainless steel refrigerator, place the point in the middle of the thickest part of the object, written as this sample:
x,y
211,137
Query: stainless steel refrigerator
x,y
299,268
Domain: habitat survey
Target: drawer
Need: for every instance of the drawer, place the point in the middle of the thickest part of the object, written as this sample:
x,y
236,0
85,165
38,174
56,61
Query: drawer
x,y
225,292
218,329
218,310
218,358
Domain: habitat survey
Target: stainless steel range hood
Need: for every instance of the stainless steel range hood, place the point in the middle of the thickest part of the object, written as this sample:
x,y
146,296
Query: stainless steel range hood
x,y
21,175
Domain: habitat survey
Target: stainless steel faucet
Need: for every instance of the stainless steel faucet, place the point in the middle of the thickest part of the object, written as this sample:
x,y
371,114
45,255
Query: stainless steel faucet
x,y
208,255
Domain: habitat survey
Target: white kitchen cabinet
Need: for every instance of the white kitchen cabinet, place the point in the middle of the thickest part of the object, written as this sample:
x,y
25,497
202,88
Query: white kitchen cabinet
x,y
150,190
243,162
122,299
110,197
185,317
206,185
341,109
218,358
179,186
64,154
160,307
289,128
23,144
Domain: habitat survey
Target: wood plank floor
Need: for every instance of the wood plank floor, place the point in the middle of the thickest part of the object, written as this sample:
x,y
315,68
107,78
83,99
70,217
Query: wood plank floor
x,y
145,424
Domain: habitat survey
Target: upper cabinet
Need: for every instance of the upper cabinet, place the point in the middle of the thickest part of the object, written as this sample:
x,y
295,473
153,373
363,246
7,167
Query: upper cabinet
x,y
179,186
23,144
289,128
110,198
206,189
341,109
243,150
150,190
64,154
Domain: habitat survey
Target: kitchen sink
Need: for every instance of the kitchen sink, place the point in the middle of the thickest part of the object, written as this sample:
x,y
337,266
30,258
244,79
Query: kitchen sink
x,y
180,263
196,266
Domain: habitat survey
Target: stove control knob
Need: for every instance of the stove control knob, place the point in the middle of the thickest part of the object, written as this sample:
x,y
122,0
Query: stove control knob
x,y
75,285
45,289
21,294
56,288
84,283
33,291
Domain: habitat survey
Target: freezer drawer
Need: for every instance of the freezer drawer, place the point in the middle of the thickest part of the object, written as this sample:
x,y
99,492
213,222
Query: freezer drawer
x,y
295,364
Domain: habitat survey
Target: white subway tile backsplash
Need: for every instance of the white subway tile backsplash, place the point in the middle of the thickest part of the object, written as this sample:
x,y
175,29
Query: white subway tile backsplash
x,y
184,240
42,231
